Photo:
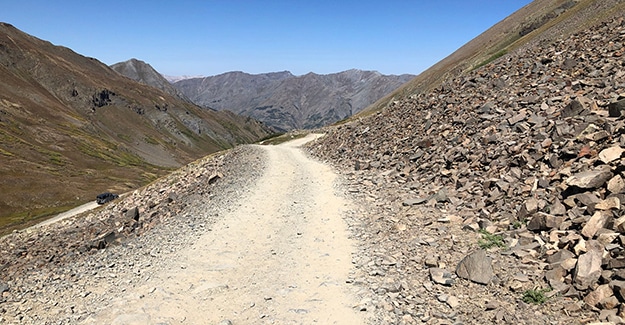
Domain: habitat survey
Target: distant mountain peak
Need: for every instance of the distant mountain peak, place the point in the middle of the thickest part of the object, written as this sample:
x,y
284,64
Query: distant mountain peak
x,y
172,79
143,72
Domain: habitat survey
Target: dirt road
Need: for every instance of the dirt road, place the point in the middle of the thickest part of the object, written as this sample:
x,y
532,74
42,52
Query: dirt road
x,y
281,255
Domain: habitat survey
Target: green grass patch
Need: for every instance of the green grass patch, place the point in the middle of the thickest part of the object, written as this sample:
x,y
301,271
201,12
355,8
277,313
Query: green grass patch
x,y
5,153
490,240
492,58
150,140
28,218
535,296
57,159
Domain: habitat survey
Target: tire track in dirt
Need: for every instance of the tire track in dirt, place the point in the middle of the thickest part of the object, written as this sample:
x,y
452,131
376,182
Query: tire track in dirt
x,y
281,255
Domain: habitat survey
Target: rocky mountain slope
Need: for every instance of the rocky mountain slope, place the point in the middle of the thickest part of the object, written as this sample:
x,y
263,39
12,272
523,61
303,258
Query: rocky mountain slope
x,y
287,102
541,19
515,166
494,195
145,73
71,127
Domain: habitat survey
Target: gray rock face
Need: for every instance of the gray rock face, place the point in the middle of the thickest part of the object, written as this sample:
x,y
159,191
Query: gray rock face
x,y
145,73
287,102
476,267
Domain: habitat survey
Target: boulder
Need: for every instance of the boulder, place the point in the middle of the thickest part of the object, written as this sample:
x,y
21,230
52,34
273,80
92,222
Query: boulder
x,y
591,179
598,220
133,213
615,109
588,269
476,267
542,221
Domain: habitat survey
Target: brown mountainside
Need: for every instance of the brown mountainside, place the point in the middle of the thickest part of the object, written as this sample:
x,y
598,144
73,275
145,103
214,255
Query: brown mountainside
x,y
71,127
287,102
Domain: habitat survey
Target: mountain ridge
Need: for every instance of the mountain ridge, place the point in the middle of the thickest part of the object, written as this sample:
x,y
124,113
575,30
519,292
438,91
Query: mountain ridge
x,y
71,127
285,101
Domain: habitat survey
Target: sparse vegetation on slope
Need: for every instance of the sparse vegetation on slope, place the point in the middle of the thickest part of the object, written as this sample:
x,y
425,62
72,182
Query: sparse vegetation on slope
x,y
529,147
71,127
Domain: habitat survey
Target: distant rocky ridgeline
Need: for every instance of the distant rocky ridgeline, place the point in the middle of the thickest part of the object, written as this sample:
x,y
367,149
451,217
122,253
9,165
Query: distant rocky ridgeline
x,y
530,147
287,102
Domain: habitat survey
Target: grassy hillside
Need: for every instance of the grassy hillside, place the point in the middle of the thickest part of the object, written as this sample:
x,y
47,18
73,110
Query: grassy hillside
x,y
71,127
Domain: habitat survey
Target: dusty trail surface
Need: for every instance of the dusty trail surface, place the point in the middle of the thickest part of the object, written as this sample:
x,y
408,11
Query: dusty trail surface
x,y
281,255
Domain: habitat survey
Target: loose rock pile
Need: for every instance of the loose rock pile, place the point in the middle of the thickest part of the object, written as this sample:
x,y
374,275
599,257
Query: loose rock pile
x,y
58,274
529,147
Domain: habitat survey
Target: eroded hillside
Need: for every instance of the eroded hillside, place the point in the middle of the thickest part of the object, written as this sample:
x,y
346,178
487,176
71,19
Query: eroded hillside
x,y
524,153
70,128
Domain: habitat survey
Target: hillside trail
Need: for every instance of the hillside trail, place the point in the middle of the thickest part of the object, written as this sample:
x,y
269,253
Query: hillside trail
x,y
281,255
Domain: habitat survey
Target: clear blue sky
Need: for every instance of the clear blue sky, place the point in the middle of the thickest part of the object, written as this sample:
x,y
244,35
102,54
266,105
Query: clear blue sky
x,y
212,37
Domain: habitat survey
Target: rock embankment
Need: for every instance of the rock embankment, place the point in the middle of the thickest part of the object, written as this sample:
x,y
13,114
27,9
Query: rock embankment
x,y
524,153
61,273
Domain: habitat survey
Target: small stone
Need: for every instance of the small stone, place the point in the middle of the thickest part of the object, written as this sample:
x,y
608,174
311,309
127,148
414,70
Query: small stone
x,y
431,260
609,303
606,238
133,213
542,221
3,288
611,154
559,256
616,263
618,287
529,207
609,203
411,202
441,276
452,301
441,196
616,185
615,109
476,267
491,305
619,225
214,178
572,307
